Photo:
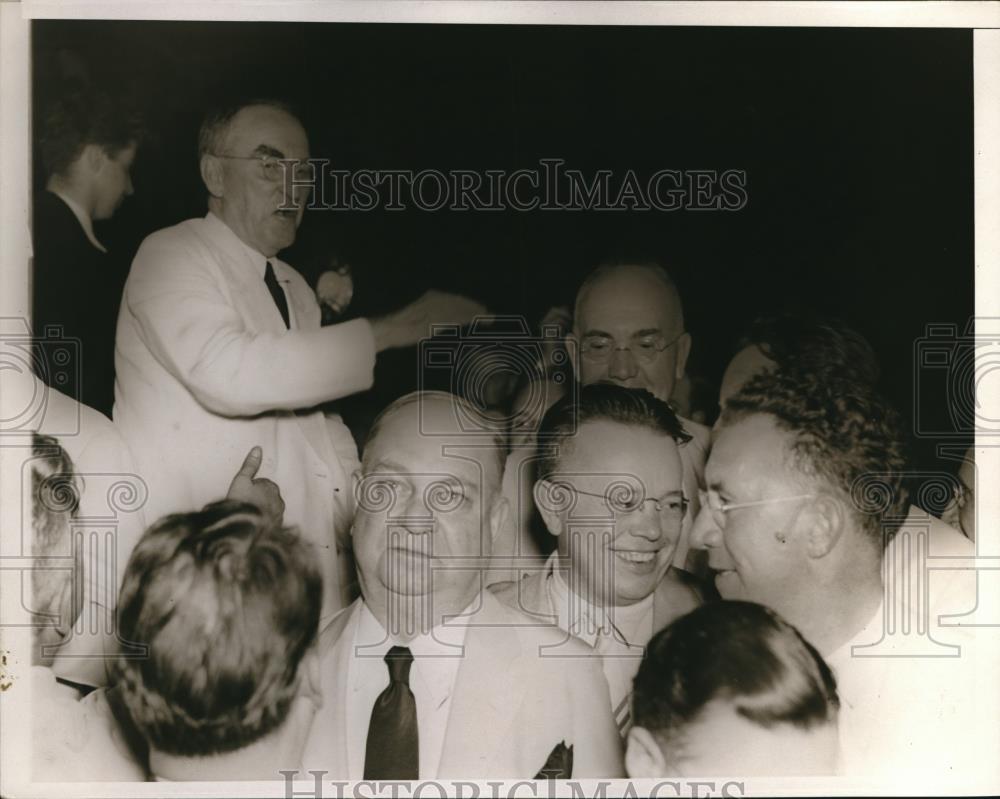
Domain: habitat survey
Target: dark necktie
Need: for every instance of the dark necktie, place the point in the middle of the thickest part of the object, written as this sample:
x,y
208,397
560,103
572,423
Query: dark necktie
x,y
276,293
392,752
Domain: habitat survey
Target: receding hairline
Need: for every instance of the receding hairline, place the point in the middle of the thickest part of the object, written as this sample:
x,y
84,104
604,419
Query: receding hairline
x,y
609,271
217,125
486,439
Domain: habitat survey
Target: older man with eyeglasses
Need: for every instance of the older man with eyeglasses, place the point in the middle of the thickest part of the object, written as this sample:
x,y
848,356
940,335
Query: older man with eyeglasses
x,y
628,330
610,491
219,346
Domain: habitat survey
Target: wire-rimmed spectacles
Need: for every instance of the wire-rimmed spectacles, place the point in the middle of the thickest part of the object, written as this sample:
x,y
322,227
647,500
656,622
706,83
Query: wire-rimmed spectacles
x,y
646,348
712,501
627,499
274,169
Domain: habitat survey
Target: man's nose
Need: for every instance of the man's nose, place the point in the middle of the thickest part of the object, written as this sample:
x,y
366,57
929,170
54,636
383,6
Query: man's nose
x,y
644,523
622,365
705,533
413,509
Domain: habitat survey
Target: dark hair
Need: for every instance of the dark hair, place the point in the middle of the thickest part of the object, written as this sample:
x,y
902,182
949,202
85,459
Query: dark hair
x,y
738,652
822,345
86,116
228,604
55,497
635,407
845,435
215,125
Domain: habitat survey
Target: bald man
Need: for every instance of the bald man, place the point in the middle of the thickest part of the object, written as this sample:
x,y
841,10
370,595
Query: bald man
x,y
628,326
428,675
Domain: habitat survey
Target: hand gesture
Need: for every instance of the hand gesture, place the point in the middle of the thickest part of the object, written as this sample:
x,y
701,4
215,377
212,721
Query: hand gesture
x,y
258,491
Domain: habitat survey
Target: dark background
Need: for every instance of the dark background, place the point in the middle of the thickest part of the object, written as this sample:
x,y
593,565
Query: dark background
x,y
857,146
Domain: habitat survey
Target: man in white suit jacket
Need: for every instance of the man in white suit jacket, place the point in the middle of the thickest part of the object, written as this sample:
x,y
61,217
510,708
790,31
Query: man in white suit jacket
x,y
494,694
219,345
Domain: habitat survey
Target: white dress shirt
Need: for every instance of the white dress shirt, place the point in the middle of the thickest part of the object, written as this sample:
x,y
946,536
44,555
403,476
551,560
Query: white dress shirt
x,y
436,658
619,634
910,707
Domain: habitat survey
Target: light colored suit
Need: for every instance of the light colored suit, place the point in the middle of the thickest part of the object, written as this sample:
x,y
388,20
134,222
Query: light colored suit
x,y
510,708
206,369
676,594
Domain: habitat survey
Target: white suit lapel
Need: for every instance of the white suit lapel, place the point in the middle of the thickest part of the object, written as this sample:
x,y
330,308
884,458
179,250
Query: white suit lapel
x,y
327,744
488,693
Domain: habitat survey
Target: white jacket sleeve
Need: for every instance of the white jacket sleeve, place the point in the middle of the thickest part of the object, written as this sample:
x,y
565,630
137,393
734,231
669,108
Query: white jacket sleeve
x,y
190,326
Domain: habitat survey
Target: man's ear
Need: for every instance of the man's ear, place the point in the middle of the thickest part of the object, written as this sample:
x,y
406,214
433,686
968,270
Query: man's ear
x,y
544,492
643,758
499,511
310,682
68,608
212,174
572,342
821,525
93,158
683,351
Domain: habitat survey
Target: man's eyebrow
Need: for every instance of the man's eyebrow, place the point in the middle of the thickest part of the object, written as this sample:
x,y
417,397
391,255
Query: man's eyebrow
x,y
647,331
388,465
266,149
597,333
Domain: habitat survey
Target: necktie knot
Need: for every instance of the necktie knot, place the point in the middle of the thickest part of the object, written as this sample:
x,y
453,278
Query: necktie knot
x,y
399,659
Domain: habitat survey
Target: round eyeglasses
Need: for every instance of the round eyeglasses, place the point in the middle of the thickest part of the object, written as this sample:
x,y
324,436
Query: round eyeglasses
x,y
622,498
277,170
646,348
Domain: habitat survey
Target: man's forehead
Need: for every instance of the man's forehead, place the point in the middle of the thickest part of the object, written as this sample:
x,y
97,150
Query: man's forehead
x,y
746,447
628,295
262,126
403,436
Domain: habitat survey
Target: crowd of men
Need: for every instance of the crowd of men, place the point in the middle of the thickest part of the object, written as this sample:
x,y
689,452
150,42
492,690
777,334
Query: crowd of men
x,y
602,588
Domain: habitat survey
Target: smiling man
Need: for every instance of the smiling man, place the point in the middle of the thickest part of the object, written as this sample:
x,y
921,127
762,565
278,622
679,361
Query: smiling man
x,y
427,675
610,490
805,494
219,345
628,323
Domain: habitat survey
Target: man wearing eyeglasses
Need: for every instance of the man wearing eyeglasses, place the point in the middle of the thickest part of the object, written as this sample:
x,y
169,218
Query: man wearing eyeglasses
x,y
219,345
629,326
804,491
610,490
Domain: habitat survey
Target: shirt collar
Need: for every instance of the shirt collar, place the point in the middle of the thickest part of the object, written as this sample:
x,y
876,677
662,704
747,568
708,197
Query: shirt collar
x,y
584,620
82,217
237,246
441,647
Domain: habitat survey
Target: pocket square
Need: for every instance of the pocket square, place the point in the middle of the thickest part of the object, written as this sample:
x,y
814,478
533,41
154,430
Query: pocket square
x,y
559,765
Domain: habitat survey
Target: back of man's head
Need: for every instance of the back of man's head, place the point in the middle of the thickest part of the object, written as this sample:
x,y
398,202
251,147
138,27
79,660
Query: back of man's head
x,y
730,667
601,402
55,497
847,440
227,605
86,116
812,343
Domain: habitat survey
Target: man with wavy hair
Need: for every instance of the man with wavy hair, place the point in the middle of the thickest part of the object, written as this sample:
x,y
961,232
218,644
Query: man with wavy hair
x,y
804,492
228,604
